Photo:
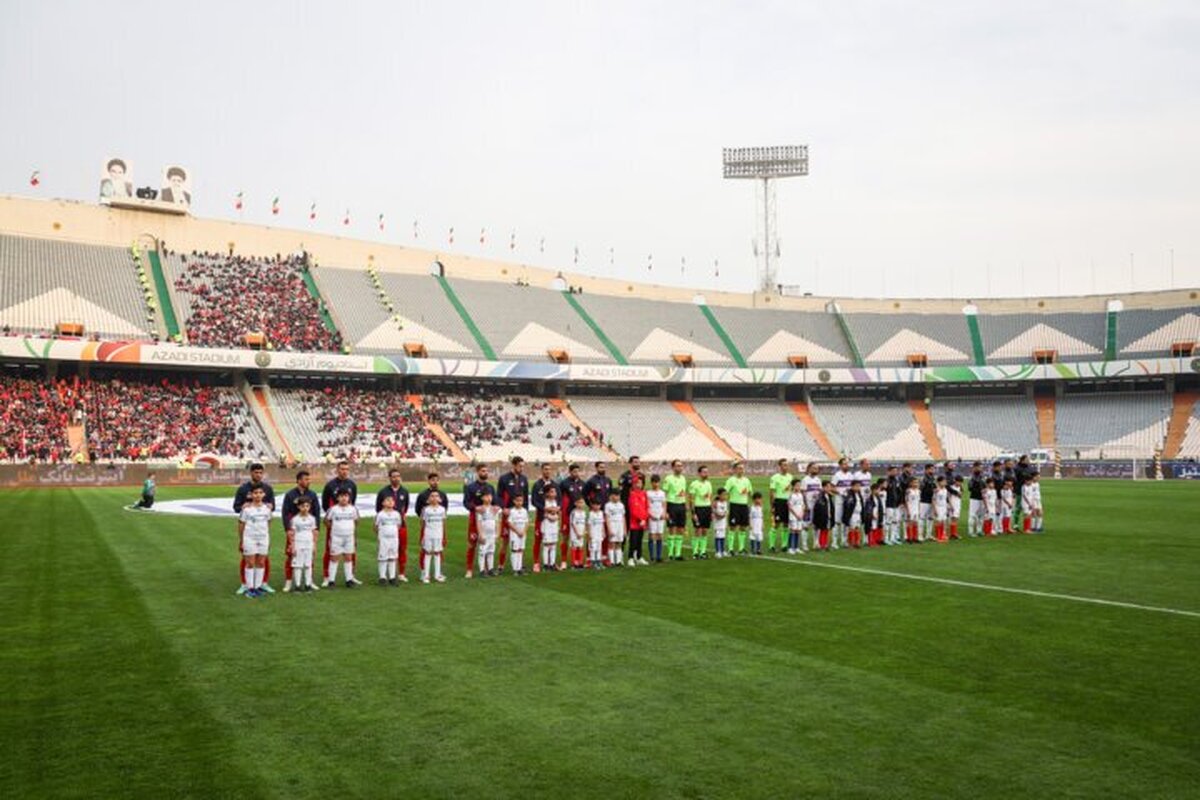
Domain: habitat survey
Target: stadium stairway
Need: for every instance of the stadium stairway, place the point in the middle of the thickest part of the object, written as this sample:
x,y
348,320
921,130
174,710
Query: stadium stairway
x,y
924,421
485,346
417,402
310,283
166,302
570,416
978,354
689,412
1046,420
1110,336
803,412
1181,413
724,336
596,329
844,327
258,398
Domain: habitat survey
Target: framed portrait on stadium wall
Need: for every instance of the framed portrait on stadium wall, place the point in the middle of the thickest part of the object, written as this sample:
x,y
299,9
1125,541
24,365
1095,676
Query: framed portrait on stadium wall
x,y
116,182
176,186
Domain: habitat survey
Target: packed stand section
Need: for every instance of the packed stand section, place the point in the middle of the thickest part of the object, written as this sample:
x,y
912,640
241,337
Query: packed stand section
x,y
493,426
143,419
33,421
229,296
356,424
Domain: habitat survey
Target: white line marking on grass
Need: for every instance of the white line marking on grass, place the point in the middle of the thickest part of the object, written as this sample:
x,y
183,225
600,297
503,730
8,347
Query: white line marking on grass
x,y
987,586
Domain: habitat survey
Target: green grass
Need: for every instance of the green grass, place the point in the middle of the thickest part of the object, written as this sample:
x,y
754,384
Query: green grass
x,y
132,670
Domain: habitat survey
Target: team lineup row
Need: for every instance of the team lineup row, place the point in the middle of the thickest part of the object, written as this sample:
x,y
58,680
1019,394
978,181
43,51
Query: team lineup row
x,y
596,523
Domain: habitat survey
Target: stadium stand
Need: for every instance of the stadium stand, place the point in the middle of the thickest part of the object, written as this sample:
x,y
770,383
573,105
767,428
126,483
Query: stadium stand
x,y
142,418
45,282
364,321
982,427
427,316
526,322
1012,338
225,297
1152,332
652,331
767,337
494,427
647,427
1191,440
889,339
1116,425
353,423
760,429
881,429
33,421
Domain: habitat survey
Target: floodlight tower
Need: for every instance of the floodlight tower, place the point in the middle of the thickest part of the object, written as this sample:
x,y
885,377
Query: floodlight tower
x,y
765,164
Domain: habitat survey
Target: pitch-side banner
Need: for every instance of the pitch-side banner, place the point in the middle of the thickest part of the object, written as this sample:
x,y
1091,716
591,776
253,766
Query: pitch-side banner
x,y
174,356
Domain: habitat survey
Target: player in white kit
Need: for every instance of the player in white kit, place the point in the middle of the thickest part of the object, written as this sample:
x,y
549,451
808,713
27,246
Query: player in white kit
x,y
487,518
941,509
991,508
387,530
810,484
516,522
595,536
341,522
656,500
254,537
1031,504
797,513
551,526
614,526
433,538
302,543
720,522
757,522
912,512
842,478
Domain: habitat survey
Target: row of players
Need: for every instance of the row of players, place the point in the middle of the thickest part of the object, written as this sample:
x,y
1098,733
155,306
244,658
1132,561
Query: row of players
x,y
592,523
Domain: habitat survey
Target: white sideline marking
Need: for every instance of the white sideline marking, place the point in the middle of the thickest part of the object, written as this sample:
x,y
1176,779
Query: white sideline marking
x,y
987,586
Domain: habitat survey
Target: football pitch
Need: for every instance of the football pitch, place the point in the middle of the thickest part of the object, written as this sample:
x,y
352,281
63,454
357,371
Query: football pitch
x,y
131,669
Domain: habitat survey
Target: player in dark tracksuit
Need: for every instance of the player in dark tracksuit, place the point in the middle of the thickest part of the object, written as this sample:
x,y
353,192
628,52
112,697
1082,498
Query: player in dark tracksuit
x,y
240,498
893,500
473,494
399,494
340,481
928,487
537,499
512,484
570,489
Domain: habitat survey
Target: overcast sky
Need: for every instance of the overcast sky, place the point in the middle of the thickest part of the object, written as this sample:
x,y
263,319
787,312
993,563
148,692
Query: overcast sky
x,y
957,148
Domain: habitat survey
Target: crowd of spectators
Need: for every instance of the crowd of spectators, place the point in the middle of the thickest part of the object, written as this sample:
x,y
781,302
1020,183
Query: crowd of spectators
x,y
487,419
133,419
143,419
231,296
33,421
360,424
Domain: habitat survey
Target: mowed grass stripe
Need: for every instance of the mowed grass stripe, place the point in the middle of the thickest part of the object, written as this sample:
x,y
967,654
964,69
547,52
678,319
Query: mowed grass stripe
x,y
983,586
95,705
983,646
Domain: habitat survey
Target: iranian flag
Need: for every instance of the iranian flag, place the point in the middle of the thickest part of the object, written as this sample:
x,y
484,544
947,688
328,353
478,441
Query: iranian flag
x,y
237,202
35,179
275,206
346,218
512,241
381,222
312,212
416,229
482,235
451,234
